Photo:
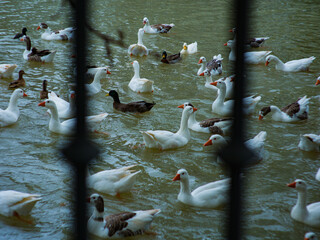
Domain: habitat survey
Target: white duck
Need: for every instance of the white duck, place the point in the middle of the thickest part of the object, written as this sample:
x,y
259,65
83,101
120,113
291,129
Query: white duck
x,y
65,109
211,125
138,49
301,212
223,108
118,225
206,73
162,139
6,70
11,114
137,84
318,81
114,181
318,175
291,66
34,54
309,142
254,57
64,34
256,144
293,112
202,61
310,236
189,48
210,195
14,203
156,28
66,127
214,66
95,87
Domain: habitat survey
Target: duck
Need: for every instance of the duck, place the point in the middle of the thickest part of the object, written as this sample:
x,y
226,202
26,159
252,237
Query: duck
x,y
34,54
65,34
157,28
11,114
44,91
164,140
66,127
95,87
291,66
251,42
301,212
14,203
61,104
137,84
118,225
114,181
138,49
215,65
134,107
92,70
171,58
20,82
219,106
20,35
212,125
202,61
318,81
309,142
211,195
256,144
189,48
6,70
310,236
318,175
65,109
293,112
255,57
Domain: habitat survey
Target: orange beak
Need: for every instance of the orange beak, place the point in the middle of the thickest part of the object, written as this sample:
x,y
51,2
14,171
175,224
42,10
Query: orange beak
x,y
267,63
260,117
177,177
195,109
200,61
213,83
208,143
72,95
201,74
38,27
181,106
144,22
25,95
108,72
318,82
21,39
230,30
292,185
42,104
226,44
232,79
132,63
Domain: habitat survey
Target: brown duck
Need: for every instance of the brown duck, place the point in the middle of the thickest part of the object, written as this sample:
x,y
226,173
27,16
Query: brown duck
x,y
171,58
44,91
18,83
135,107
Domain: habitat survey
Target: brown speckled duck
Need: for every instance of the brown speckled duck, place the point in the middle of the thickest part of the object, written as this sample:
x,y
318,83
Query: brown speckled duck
x,y
171,58
36,55
44,91
20,82
135,107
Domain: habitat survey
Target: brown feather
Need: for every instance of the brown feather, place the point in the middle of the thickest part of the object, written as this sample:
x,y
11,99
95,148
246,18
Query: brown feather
x,y
117,222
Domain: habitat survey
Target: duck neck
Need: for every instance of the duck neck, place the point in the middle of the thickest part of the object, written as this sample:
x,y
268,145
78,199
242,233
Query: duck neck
x,y
208,79
302,203
44,86
185,187
279,63
97,78
13,104
184,125
140,35
276,111
54,120
28,43
221,94
116,99
136,72
232,55
192,119
21,76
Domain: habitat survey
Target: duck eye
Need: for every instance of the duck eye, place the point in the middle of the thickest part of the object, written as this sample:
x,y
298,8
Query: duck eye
x,y
215,139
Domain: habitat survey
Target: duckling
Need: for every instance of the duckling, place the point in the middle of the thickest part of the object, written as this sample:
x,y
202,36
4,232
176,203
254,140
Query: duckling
x,y
18,83
171,58
44,91
135,107
20,35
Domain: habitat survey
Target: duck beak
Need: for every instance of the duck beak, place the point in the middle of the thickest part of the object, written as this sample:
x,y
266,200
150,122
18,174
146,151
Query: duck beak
x,y
108,72
260,117
213,83
226,44
292,185
144,22
107,95
200,61
318,82
177,177
208,143
184,47
181,106
195,109
267,63
230,30
201,74
25,95
42,104
38,27
232,79
21,39
163,56
72,95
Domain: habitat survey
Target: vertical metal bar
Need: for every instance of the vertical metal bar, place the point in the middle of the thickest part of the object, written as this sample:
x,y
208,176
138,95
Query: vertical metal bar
x,y
81,150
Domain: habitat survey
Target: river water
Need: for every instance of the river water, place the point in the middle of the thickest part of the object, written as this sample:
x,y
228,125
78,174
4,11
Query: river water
x,y
30,161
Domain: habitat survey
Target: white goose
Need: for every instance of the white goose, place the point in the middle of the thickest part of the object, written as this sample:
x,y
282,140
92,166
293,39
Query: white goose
x,y
254,57
210,195
114,181
118,225
156,28
223,108
309,142
65,109
34,54
310,236
14,203
211,125
189,48
202,61
65,34
318,175
301,212
318,81
206,73
6,70
291,66
256,144
293,112
138,49
95,87
162,139
137,84
66,127
11,114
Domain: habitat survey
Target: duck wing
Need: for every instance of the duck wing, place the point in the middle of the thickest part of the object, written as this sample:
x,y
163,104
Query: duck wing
x,y
117,224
